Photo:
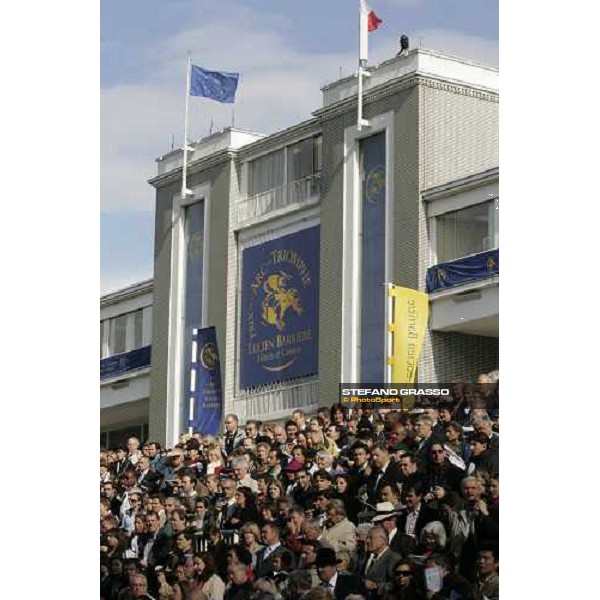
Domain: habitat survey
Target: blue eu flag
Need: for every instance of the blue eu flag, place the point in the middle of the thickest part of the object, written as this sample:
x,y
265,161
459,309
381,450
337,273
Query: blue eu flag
x,y
216,85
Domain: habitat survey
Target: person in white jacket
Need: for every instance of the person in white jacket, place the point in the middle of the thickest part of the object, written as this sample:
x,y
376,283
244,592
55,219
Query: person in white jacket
x,y
340,533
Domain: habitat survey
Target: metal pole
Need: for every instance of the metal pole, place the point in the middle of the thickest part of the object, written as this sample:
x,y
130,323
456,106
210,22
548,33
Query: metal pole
x,y
184,190
389,321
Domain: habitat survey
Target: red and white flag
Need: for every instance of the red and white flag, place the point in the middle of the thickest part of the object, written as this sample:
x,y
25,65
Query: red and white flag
x,y
369,21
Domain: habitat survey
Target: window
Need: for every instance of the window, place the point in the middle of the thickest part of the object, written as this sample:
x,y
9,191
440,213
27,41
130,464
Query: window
x,y
126,332
317,154
267,172
467,231
293,163
304,158
119,334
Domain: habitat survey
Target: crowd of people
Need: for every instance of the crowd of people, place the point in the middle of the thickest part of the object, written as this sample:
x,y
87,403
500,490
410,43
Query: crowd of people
x,y
348,504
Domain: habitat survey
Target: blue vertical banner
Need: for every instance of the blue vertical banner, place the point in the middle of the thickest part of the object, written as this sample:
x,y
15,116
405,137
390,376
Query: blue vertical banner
x,y
372,315
205,385
280,309
194,270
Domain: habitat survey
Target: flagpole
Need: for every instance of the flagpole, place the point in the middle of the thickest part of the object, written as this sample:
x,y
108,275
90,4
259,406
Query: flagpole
x,y
389,321
363,56
184,190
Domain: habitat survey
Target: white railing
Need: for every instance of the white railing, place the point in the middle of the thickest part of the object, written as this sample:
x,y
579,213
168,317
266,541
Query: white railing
x,y
283,400
301,191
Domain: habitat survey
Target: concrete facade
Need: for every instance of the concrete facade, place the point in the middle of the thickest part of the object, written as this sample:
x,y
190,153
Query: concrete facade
x,y
440,116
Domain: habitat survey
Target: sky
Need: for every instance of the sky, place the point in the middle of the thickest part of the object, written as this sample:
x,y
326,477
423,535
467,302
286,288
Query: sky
x,y
284,51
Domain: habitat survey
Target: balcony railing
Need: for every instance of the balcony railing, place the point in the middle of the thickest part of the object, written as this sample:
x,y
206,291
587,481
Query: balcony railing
x,y
272,401
301,191
125,362
463,270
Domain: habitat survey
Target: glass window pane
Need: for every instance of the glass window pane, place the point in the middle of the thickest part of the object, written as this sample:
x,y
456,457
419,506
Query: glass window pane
x,y
464,232
300,160
147,326
266,172
118,334
101,339
138,328
318,154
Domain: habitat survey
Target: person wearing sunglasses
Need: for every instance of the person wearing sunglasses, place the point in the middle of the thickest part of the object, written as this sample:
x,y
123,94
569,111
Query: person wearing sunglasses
x,y
405,584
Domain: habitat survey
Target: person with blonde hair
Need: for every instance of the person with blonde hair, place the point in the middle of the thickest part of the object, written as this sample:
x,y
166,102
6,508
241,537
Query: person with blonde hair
x,y
250,536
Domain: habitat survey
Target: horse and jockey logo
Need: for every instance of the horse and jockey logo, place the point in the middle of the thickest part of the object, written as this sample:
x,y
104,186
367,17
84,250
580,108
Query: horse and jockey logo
x,y
279,311
208,356
278,299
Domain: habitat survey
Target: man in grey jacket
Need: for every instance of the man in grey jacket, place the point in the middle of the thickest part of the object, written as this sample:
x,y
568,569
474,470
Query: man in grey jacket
x,y
378,574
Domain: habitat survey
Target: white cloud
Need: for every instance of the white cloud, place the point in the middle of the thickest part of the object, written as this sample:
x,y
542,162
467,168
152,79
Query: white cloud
x,y
280,85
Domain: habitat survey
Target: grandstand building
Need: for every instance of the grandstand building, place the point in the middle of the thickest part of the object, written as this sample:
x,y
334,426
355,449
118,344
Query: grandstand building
x,y
125,341
286,241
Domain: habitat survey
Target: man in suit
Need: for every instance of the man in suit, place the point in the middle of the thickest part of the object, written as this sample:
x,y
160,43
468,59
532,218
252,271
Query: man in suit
x,y
379,570
270,538
360,470
384,470
148,479
410,522
339,585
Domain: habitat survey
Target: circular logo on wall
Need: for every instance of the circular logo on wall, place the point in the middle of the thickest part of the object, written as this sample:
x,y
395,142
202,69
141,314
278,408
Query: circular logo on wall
x,y
208,356
375,184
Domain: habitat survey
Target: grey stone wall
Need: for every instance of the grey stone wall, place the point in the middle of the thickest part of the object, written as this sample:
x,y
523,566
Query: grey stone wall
x,y
448,356
160,313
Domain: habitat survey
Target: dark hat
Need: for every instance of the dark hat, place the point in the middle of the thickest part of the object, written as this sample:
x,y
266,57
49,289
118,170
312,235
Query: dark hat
x,y
193,444
326,558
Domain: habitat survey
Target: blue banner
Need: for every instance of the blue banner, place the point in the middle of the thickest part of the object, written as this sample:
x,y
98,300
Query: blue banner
x,y
216,85
280,309
373,242
205,390
464,270
125,362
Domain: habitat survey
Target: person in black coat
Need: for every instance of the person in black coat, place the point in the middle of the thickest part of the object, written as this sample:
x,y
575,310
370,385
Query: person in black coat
x,y
440,472
405,582
272,541
384,470
483,458
245,510
338,584
412,519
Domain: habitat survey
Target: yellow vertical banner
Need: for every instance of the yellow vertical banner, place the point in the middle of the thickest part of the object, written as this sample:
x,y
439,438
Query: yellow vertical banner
x,y
411,311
